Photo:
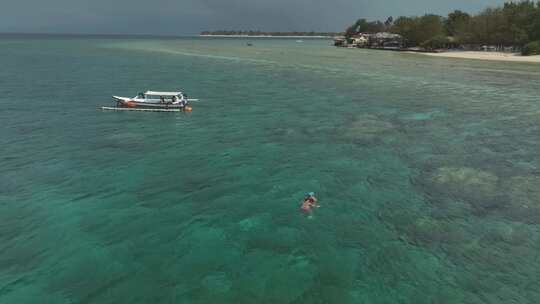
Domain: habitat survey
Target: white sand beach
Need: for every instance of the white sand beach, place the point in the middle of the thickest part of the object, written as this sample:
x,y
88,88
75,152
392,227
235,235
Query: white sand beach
x,y
497,56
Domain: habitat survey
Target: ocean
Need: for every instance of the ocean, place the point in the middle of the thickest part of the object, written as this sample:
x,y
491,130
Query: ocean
x,y
427,172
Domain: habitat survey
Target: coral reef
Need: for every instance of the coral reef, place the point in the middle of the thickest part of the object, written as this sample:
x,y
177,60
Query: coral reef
x,y
479,188
367,127
524,196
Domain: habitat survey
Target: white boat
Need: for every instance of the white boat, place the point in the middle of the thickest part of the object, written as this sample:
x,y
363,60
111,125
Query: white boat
x,y
155,100
141,109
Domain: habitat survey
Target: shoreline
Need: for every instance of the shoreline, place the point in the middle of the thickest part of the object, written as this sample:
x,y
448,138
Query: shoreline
x,y
267,36
480,55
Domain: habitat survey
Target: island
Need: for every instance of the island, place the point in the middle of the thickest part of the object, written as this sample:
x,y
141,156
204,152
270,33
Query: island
x,y
509,32
257,33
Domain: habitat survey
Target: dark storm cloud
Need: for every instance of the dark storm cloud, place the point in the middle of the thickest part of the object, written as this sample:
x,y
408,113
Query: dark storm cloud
x,y
180,17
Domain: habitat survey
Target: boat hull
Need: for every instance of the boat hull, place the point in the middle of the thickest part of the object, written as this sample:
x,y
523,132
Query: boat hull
x,y
126,103
140,109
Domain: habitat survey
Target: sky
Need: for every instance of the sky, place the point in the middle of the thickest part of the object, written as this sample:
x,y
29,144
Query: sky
x,y
190,17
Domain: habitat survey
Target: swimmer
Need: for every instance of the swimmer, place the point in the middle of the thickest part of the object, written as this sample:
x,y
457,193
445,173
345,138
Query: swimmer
x,y
309,202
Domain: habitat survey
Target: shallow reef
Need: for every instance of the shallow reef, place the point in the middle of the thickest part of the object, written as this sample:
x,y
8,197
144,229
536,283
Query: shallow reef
x,y
367,127
524,197
477,187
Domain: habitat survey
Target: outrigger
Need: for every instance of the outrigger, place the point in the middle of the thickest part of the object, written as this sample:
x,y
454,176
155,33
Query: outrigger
x,y
153,101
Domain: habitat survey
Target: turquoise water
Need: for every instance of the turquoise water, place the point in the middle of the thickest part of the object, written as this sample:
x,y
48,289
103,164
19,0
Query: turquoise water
x,y
427,171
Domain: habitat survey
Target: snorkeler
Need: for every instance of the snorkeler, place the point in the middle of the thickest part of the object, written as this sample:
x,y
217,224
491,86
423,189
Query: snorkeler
x,y
309,202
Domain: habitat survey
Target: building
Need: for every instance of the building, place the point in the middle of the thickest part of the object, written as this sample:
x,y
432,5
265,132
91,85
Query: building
x,y
381,40
359,40
386,40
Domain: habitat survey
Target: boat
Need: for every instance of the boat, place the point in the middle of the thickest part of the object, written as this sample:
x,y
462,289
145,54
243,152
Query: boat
x,y
142,109
154,100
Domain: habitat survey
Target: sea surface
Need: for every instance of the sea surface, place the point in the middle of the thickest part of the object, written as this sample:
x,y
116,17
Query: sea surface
x,y
427,171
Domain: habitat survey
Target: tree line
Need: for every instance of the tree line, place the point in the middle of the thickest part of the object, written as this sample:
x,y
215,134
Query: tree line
x,y
515,24
261,33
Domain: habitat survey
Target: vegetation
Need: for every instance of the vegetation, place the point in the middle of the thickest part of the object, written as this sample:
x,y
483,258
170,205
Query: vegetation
x,y
363,26
515,24
531,48
261,33
417,30
437,42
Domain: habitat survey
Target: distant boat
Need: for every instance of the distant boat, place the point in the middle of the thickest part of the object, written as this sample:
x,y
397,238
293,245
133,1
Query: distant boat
x,y
249,44
299,41
154,100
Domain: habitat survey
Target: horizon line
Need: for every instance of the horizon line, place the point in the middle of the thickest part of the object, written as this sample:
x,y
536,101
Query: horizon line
x,y
131,34
98,34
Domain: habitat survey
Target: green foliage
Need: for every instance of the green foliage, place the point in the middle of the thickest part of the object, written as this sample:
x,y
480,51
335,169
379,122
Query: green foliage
x,y
406,27
389,22
437,42
364,26
516,23
430,26
418,29
490,27
457,23
531,48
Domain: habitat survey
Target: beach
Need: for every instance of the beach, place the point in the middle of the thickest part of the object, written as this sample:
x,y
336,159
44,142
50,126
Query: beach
x,y
479,55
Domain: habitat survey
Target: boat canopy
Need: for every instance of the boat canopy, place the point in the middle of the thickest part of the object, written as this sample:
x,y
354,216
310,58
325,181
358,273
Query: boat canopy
x,y
154,93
